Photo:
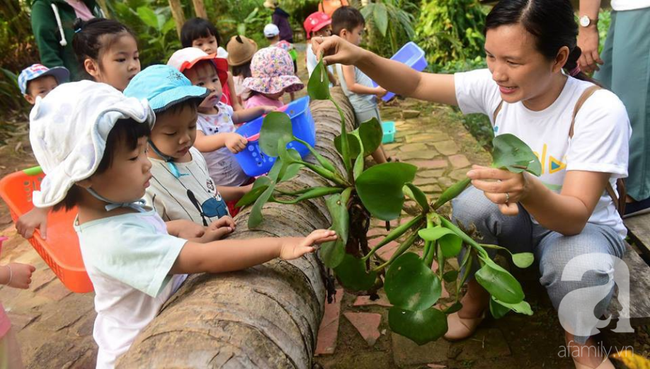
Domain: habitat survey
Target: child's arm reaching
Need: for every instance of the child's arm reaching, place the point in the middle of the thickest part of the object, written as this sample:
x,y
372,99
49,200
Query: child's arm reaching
x,y
234,99
230,255
234,193
246,115
35,218
233,141
353,86
16,275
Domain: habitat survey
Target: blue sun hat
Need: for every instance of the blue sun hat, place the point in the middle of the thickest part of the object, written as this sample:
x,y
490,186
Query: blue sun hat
x,y
163,86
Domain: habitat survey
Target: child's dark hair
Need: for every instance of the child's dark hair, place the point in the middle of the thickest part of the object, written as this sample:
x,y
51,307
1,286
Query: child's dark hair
x,y
243,70
94,35
180,106
125,132
198,28
551,22
346,17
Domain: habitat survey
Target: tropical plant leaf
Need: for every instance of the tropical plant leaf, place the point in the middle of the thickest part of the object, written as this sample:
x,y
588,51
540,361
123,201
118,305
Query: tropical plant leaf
x,y
410,284
513,154
450,243
355,147
276,126
419,326
371,134
418,196
148,16
352,274
499,283
380,188
260,185
255,218
332,253
380,17
318,86
523,260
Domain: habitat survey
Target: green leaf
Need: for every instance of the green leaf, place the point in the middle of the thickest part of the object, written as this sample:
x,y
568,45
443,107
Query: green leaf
x,y
523,259
451,193
321,159
169,25
359,163
380,17
260,185
410,284
332,253
148,16
453,308
394,234
418,326
513,154
497,310
370,133
255,218
352,274
521,308
276,126
289,171
355,148
450,276
499,283
318,86
380,188
418,196
449,242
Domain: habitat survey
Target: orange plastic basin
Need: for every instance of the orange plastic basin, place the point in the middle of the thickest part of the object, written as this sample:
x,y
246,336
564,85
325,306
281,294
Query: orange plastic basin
x,y
61,249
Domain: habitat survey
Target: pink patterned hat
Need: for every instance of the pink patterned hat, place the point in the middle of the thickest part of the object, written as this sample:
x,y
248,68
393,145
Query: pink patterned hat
x,y
272,70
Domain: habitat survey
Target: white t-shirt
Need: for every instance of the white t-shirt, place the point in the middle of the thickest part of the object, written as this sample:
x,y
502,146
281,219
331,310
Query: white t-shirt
x,y
360,103
170,196
312,62
128,258
620,5
599,144
224,168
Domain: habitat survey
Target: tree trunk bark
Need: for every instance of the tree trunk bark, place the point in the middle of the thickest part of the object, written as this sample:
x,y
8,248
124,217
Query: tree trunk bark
x,y
199,9
262,317
177,13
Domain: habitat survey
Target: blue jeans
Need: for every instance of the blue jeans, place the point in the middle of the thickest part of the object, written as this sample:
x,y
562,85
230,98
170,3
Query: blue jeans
x,y
589,251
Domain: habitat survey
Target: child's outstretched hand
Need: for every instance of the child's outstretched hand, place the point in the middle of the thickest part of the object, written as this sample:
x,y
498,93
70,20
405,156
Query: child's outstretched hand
x,y
235,142
35,218
267,109
295,247
17,275
185,229
381,92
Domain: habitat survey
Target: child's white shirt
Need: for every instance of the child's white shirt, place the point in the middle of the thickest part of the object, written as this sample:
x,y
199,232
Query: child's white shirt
x,y
222,165
128,258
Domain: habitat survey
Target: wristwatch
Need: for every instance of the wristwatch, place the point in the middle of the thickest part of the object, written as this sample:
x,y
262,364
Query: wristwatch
x,y
585,21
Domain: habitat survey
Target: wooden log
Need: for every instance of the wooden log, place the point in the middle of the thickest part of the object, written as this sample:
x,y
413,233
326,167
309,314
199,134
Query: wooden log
x,y
262,317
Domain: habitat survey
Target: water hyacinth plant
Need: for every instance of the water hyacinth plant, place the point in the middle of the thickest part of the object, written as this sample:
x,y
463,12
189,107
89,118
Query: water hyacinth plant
x,y
410,282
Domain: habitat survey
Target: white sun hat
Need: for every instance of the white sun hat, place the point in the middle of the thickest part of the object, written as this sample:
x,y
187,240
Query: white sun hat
x,y
68,130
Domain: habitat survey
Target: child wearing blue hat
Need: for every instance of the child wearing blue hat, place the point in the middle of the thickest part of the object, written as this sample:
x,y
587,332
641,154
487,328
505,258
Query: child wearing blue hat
x,y
181,186
91,142
38,80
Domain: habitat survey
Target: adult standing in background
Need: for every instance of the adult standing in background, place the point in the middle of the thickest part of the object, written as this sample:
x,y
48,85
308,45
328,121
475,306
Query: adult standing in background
x,y
281,19
52,22
625,70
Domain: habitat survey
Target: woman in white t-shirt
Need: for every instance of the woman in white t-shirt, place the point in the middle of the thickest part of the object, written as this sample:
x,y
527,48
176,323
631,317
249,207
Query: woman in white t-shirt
x,y
565,216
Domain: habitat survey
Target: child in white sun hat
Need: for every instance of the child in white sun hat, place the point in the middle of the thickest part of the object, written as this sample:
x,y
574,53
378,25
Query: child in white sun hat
x,y
272,76
91,141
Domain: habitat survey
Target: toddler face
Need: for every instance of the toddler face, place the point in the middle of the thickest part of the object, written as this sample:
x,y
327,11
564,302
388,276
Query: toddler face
x,y
174,132
40,87
355,36
119,64
204,74
207,44
128,176
324,32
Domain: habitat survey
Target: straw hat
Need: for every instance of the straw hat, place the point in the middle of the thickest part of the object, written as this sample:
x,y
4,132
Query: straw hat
x,y
240,50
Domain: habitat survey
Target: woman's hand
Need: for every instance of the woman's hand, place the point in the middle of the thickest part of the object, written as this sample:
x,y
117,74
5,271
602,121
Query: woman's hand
x,y
500,186
336,50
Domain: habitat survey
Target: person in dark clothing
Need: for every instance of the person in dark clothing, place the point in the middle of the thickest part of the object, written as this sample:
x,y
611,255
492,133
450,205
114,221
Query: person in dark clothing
x,y
281,19
52,22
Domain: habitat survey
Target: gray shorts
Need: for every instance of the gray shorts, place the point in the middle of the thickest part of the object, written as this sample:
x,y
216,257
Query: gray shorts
x,y
366,115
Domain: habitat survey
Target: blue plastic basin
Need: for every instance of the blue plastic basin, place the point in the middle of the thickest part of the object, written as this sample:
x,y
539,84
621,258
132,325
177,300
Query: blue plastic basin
x,y
411,55
253,161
